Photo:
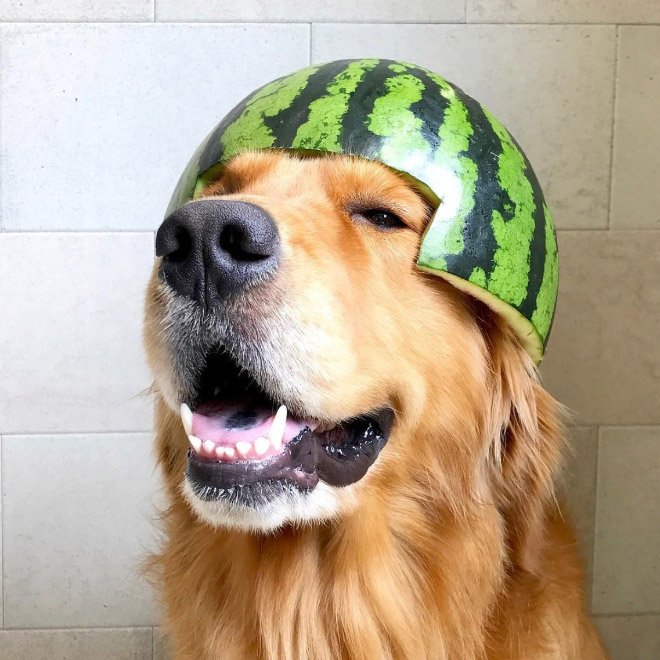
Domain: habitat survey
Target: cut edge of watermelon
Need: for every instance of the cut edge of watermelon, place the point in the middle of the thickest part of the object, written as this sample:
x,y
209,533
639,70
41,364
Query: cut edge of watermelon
x,y
523,327
214,172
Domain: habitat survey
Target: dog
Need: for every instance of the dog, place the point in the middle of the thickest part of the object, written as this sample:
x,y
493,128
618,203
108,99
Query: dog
x,y
359,458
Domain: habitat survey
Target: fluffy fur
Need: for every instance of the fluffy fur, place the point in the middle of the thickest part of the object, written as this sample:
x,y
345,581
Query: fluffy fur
x,y
452,547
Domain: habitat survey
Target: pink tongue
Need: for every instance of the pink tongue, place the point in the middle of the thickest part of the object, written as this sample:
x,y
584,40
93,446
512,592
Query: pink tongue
x,y
229,423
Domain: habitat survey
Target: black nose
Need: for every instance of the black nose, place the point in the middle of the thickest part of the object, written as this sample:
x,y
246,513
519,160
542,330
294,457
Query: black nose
x,y
214,248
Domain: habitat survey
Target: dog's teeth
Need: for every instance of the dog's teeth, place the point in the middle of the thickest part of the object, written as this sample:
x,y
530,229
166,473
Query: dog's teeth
x,y
220,452
209,446
230,452
261,446
195,442
276,431
243,448
186,418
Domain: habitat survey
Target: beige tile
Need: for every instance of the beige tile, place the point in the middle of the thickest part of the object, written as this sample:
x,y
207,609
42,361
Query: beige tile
x,y
627,546
381,11
563,11
635,193
603,356
578,488
71,353
162,650
631,637
76,10
559,112
78,521
107,644
104,117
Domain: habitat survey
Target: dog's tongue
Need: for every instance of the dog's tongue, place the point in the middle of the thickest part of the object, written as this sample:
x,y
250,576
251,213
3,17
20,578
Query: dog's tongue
x,y
227,424
230,423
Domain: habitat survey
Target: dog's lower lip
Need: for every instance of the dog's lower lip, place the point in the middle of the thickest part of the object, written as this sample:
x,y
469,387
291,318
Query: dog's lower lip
x,y
339,457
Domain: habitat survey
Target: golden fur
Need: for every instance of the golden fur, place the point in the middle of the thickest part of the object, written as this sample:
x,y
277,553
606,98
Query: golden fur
x,y
452,547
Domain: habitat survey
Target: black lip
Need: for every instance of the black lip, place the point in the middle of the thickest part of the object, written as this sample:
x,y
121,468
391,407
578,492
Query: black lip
x,y
339,457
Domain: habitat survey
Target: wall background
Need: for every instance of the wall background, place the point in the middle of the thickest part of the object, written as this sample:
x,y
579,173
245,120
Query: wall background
x,y
101,104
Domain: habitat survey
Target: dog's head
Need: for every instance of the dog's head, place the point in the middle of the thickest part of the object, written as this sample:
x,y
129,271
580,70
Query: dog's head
x,y
312,363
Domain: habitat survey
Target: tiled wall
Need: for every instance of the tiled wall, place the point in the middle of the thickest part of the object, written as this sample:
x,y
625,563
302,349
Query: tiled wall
x,y
102,102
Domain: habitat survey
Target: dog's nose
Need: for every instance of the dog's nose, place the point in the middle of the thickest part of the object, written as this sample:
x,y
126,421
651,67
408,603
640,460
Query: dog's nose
x,y
213,248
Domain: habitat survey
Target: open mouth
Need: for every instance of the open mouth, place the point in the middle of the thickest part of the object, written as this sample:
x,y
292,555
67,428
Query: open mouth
x,y
248,448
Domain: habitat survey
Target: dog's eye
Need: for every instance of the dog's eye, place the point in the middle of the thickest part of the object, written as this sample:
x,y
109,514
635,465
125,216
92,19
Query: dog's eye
x,y
380,218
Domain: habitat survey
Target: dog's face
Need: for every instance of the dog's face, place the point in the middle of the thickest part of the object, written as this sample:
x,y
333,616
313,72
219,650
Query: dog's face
x,y
292,283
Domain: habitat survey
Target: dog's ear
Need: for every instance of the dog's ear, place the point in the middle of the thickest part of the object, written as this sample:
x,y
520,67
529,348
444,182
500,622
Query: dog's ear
x,y
527,445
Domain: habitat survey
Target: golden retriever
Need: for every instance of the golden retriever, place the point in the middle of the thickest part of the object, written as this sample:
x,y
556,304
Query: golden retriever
x,y
401,505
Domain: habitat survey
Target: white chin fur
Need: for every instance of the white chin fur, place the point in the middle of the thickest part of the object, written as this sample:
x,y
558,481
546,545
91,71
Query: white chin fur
x,y
320,504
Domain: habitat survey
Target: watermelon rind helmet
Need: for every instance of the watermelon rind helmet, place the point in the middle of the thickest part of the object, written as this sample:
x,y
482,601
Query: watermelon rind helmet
x,y
491,234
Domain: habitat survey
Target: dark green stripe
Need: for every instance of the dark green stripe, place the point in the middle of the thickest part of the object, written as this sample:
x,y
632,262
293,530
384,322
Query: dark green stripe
x,y
356,137
478,237
323,127
537,254
543,315
431,107
284,125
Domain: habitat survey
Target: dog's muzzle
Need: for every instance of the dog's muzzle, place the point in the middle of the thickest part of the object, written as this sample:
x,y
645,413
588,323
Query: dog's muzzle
x,y
214,248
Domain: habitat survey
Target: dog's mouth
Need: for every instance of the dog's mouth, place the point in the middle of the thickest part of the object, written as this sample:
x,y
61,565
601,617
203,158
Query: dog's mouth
x,y
248,448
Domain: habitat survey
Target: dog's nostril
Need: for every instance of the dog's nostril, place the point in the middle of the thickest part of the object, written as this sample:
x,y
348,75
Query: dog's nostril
x,y
181,246
213,248
238,244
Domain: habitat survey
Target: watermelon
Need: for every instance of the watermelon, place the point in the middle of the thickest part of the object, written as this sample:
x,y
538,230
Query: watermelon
x,y
491,235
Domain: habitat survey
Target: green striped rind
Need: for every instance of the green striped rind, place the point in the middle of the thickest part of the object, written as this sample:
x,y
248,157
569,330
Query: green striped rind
x,y
492,234
322,129
547,296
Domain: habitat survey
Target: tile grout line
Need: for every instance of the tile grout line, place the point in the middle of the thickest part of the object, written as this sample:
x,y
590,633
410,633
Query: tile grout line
x,y
247,21
153,11
628,425
615,89
153,629
575,230
593,549
2,525
37,434
593,545
626,614
75,232
77,628
311,43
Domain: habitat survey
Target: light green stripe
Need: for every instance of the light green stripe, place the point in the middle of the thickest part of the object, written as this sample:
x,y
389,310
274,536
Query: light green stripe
x,y
323,126
509,278
547,296
392,119
460,175
249,131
